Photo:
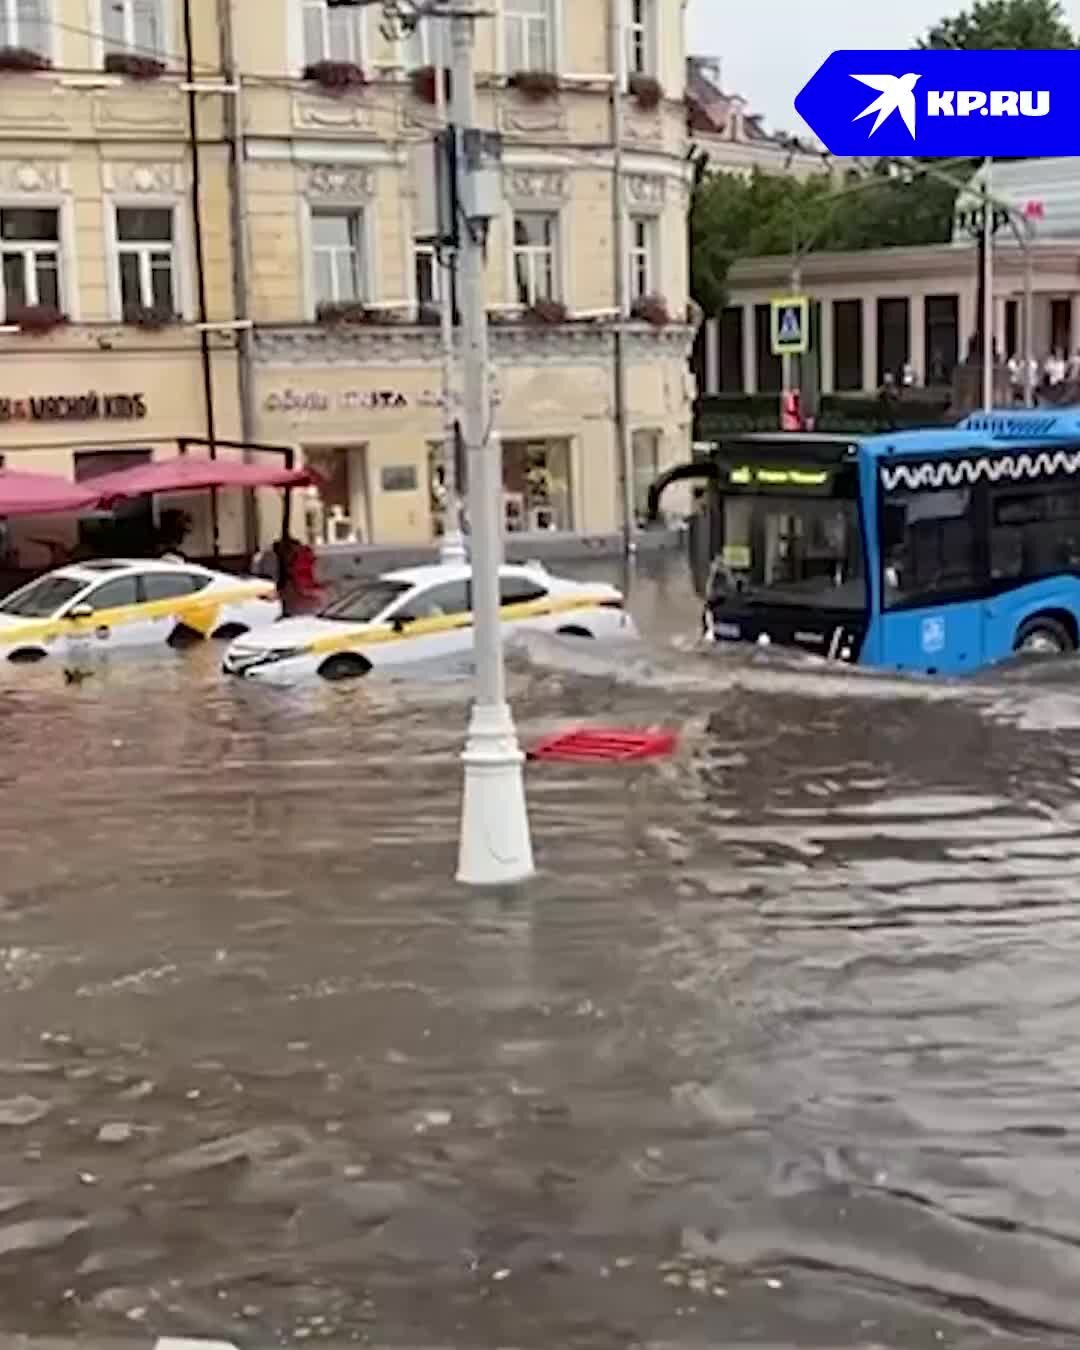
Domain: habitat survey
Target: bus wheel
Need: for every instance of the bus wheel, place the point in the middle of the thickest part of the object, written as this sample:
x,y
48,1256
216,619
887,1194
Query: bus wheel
x,y
1044,635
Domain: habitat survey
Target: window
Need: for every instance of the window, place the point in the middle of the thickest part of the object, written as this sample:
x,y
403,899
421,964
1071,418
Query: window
x,y
642,253
426,45
144,247
519,591
30,256
134,26
365,603
536,485
528,35
333,34
534,256
428,275
42,598
640,46
927,546
337,245
169,585
450,598
1034,533
111,594
25,23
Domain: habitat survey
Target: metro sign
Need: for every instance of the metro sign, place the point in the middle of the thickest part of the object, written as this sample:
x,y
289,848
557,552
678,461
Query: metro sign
x,y
945,104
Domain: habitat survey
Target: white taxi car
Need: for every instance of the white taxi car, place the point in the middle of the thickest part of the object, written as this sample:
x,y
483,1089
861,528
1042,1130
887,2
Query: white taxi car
x,y
100,606
418,615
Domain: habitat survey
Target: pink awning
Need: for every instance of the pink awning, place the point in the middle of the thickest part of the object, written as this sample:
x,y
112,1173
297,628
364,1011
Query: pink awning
x,y
191,473
42,494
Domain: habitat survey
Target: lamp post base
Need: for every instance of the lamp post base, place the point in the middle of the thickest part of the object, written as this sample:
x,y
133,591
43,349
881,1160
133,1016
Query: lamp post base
x,y
495,847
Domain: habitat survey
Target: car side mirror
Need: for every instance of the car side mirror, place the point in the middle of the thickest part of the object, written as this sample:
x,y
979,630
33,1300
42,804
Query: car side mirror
x,y
81,611
399,622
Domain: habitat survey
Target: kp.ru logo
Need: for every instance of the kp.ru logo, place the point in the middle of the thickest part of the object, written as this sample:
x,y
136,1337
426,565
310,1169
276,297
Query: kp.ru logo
x,y
896,94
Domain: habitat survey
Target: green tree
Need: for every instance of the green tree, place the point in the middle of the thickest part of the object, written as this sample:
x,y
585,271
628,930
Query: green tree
x,y
1033,25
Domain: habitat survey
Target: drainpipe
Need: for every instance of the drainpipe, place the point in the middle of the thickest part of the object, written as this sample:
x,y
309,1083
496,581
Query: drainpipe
x,y
622,299
200,261
241,250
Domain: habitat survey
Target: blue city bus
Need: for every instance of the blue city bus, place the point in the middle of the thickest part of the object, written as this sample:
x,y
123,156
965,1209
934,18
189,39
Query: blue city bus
x,y
938,551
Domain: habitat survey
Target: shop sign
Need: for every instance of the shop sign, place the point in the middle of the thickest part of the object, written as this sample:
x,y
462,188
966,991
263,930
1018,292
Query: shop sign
x,y
90,407
352,400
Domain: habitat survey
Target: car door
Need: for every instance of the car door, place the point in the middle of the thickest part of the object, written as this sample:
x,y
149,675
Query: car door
x,y
106,617
166,601
433,623
519,597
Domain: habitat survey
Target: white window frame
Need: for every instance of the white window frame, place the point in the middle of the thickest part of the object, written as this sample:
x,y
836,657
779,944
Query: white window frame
x,y
183,302
9,28
360,39
649,252
165,21
558,274
368,263
142,250
69,293
432,41
423,247
553,20
648,33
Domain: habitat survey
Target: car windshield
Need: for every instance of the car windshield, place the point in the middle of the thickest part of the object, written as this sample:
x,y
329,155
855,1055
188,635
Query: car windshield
x,y
782,550
42,598
364,603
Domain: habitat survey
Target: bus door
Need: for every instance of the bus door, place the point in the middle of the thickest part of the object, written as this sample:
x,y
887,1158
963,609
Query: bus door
x,y
933,615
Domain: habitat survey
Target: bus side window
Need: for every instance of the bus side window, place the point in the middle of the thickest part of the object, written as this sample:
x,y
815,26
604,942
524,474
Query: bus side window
x,y
928,546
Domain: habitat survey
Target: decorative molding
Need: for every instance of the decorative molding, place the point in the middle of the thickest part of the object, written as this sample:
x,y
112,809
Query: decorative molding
x,y
551,185
149,110
645,191
160,179
517,117
332,114
23,175
644,129
517,344
34,109
339,182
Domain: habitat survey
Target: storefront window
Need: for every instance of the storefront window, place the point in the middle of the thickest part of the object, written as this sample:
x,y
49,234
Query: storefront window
x,y
536,486
646,448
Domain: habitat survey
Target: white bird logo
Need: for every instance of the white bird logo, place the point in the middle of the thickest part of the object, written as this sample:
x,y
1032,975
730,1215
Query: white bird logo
x,y
897,94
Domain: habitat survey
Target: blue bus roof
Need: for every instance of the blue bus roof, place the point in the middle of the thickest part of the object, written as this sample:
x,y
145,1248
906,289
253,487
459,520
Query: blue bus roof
x,y
998,429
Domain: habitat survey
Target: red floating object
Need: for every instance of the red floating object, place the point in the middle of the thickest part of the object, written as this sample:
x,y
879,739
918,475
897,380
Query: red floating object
x,y
590,745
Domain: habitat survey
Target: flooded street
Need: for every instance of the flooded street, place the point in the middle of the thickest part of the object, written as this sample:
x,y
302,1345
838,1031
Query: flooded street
x,y
779,1048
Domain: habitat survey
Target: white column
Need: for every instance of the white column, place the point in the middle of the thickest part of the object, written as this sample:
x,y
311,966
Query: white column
x,y
749,346
869,343
1074,322
826,338
966,309
917,336
1000,302
712,356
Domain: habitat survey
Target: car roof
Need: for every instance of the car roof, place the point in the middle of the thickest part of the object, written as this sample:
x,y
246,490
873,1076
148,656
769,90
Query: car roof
x,y
434,574
98,569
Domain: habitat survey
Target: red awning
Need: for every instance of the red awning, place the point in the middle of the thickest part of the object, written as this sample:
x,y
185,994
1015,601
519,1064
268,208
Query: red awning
x,y
41,494
191,473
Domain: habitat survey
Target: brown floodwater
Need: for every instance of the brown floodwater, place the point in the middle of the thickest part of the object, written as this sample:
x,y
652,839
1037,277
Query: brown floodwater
x,y
779,1048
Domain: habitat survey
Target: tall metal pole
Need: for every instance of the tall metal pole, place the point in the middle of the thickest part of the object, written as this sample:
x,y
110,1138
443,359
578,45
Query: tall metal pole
x,y
452,544
1024,235
623,435
987,293
495,846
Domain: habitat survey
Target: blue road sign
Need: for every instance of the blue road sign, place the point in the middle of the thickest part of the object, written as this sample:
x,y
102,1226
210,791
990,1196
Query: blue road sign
x,y
945,104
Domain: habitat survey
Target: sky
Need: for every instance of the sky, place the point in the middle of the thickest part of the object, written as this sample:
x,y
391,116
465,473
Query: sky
x,y
768,49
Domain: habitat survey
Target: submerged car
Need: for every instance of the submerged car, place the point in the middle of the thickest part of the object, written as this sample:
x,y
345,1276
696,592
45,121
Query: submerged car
x,y
101,606
421,614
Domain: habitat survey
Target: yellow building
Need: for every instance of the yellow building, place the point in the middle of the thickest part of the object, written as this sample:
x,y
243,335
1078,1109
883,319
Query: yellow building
x,y
233,245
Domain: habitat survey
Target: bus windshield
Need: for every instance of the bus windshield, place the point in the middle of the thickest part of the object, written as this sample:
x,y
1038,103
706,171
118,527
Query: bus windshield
x,y
782,550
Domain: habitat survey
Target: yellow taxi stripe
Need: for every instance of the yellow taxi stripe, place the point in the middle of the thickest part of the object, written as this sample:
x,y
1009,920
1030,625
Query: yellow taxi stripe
x,y
444,623
194,610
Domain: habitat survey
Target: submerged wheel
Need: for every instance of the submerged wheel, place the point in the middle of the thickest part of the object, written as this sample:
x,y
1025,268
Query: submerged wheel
x,y
574,631
1044,635
228,631
343,667
26,656
183,637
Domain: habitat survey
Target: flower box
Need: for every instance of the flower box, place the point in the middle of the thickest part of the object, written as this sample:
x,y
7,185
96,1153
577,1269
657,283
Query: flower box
x,y
132,65
648,92
547,313
149,317
343,312
337,77
535,85
23,59
651,309
36,318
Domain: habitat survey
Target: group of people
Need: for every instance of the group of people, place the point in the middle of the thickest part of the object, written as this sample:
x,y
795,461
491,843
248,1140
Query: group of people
x,y
1048,375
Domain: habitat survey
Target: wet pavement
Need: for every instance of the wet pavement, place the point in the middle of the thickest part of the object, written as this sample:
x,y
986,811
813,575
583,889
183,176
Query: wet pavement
x,y
778,1049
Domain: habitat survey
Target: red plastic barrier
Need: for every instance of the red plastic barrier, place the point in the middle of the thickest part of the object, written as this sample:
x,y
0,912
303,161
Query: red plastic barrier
x,y
587,745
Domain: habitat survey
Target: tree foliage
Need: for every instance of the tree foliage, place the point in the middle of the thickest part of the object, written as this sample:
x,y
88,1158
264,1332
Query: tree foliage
x,y
732,217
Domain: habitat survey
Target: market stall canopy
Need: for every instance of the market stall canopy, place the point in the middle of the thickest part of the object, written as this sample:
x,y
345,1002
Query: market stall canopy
x,y
196,473
42,494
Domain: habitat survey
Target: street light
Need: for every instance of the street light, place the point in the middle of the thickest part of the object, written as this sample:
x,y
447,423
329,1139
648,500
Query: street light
x,y
495,847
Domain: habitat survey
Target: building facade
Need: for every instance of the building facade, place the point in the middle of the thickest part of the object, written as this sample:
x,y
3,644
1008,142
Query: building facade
x,y
223,203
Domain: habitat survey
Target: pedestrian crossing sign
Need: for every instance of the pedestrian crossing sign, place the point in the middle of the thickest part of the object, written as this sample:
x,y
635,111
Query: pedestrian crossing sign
x,y
790,325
